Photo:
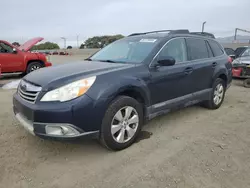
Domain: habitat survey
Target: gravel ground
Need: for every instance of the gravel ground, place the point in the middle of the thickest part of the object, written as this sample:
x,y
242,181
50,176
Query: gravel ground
x,y
193,147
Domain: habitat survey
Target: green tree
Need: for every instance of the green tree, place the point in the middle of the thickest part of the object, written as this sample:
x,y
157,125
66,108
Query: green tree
x,y
46,46
16,44
82,46
101,41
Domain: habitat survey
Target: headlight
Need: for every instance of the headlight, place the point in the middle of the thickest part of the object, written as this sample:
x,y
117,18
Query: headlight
x,y
69,91
236,62
47,58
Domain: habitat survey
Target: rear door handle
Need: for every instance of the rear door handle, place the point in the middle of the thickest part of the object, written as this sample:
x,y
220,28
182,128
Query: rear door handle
x,y
188,70
214,64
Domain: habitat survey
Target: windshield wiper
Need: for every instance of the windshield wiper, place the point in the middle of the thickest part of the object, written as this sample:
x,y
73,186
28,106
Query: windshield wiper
x,y
109,61
88,59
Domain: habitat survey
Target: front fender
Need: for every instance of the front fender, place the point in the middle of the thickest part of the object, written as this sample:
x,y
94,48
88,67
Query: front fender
x,y
104,92
129,84
109,90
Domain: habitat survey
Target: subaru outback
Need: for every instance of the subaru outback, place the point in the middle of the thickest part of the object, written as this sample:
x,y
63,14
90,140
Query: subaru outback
x,y
115,91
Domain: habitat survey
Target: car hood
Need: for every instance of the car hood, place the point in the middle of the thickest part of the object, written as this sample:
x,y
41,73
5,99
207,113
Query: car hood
x,y
56,76
30,43
244,60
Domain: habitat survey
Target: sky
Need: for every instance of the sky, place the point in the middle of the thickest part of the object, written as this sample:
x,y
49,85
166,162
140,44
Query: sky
x,y
52,19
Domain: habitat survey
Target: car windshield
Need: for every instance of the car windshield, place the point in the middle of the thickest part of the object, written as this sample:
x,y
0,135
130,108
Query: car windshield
x,y
128,50
246,52
230,51
239,50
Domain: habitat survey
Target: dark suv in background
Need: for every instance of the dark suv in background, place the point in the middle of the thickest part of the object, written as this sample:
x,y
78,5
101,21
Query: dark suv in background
x,y
111,94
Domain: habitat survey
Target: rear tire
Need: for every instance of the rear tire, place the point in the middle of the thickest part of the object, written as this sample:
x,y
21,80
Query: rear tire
x,y
217,96
33,66
247,83
122,123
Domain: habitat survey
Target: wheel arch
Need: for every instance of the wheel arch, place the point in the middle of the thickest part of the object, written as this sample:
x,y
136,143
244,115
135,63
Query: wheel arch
x,y
222,75
136,93
35,60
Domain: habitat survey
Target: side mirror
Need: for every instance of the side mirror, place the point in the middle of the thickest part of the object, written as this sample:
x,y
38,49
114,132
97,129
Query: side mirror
x,y
14,51
166,61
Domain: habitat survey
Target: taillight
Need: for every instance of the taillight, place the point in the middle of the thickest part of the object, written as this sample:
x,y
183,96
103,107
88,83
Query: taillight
x,y
230,60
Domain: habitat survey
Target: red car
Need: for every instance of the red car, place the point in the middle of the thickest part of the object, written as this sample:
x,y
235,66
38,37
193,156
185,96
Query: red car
x,y
19,60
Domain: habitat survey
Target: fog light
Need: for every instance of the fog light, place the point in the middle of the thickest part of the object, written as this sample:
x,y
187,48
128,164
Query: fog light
x,y
61,130
53,130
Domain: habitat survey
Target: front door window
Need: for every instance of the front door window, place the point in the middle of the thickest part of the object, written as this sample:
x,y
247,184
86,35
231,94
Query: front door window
x,y
4,48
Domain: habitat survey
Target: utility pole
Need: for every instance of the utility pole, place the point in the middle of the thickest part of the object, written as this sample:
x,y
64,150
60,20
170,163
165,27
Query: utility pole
x,y
77,39
64,41
203,25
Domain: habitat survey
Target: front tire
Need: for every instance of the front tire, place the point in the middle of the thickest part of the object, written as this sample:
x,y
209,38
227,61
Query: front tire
x,y
217,96
122,123
33,66
246,83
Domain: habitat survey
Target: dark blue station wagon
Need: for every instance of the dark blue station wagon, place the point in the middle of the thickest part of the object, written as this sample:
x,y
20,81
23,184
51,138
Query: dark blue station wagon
x,y
110,95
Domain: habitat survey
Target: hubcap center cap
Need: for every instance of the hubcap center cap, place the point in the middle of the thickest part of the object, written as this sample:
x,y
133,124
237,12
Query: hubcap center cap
x,y
124,124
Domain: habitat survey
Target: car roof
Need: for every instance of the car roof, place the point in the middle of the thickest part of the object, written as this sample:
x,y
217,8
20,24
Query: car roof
x,y
3,41
169,33
150,35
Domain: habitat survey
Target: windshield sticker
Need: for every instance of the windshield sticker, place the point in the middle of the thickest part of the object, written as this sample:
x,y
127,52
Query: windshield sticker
x,y
148,40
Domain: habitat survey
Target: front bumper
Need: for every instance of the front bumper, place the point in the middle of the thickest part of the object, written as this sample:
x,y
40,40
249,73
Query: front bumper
x,y
241,71
236,72
78,115
48,64
32,128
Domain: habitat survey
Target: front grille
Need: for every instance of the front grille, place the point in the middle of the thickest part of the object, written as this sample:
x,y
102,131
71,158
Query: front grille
x,y
28,91
247,71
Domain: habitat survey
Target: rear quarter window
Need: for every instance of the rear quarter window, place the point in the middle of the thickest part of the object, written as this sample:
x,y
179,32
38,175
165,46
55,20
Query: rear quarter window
x,y
216,48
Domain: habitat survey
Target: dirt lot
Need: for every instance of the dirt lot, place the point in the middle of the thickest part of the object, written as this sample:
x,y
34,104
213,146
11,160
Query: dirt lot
x,y
193,147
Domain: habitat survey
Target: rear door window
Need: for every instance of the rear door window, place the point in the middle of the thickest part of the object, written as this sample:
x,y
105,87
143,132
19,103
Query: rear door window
x,y
197,49
210,53
217,50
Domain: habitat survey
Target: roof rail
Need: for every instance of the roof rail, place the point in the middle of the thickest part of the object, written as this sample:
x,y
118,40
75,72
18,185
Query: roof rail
x,y
180,31
203,34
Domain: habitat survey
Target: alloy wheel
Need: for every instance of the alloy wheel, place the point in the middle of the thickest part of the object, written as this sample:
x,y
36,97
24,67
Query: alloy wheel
x,y
34,67
124,124
218,94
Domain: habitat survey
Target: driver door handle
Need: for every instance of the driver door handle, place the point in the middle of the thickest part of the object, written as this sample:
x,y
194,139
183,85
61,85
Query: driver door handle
x,y
214,64
188,70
